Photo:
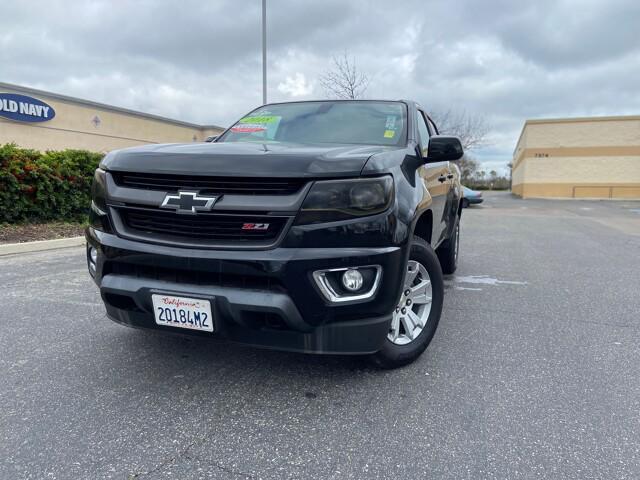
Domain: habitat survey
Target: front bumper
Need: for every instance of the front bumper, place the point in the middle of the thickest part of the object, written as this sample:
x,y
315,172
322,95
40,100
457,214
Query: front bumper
x,y
263,298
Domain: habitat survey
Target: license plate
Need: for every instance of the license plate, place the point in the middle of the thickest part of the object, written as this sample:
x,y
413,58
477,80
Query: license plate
x,y
182,312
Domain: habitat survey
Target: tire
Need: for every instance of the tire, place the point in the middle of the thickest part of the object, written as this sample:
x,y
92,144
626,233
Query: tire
x,y
448,251
465,203
394,355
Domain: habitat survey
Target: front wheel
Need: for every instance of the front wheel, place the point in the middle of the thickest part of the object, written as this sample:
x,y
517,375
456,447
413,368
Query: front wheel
x,y
417,314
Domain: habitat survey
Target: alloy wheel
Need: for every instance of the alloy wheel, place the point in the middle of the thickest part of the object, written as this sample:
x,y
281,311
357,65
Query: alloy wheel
x,y
412,312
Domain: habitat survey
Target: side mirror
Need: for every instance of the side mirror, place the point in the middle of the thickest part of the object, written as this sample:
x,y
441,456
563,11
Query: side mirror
x,y
444,149
211,138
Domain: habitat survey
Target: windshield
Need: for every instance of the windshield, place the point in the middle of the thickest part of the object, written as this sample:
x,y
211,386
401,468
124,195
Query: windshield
x,y
350,122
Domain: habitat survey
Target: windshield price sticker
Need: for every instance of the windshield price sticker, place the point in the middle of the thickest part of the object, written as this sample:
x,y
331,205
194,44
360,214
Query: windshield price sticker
x,y
260,119
391,122
249,128
390,126
257,123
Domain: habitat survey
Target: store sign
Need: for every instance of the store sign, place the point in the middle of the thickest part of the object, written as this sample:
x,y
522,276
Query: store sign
x,y
24,109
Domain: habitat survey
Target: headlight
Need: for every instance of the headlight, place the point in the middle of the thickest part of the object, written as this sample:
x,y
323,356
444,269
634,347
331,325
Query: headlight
x,y
99,189
98,217
333,200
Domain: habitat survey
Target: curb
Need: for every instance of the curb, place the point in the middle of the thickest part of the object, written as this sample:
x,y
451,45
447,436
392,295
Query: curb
x,y
41,245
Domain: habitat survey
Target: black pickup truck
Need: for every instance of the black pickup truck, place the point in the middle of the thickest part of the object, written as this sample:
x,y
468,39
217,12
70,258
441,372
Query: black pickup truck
x,y
320,227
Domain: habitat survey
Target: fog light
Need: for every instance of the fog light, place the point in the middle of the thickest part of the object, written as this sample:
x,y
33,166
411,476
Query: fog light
x,y
348,284
352,280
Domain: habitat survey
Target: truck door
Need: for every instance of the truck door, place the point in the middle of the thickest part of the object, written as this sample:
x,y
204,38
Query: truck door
x,y
434,176
455,192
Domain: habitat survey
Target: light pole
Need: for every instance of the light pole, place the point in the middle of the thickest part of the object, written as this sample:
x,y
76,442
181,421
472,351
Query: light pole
x,y
264,52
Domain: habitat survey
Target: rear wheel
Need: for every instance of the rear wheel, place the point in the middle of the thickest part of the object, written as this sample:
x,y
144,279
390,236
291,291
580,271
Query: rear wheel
x,y
448,251
417,314
465,203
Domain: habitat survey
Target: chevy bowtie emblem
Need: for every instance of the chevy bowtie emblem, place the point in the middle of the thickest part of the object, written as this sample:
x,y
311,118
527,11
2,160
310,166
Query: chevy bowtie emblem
x,y
188,202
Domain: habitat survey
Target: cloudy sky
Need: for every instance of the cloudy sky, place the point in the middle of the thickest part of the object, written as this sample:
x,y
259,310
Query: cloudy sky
x,y
200,61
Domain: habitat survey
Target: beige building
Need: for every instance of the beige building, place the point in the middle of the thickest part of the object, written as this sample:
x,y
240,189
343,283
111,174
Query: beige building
x,y
48,121
595,157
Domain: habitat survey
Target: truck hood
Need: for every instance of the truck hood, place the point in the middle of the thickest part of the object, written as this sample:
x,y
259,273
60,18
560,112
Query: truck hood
x,y
244,159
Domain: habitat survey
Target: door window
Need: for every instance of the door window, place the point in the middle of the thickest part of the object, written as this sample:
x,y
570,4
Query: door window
x,y
423,133
432,126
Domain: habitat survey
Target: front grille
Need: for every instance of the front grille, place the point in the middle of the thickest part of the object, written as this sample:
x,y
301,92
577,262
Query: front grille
x,y
214,227
239,278
217,185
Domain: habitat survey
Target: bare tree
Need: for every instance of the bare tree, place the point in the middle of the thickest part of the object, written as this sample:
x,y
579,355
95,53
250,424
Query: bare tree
x,y
510,165
471,129
468,168
344,81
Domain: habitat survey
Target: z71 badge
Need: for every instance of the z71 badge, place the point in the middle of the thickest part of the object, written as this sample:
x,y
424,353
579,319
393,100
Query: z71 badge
x,y
255,226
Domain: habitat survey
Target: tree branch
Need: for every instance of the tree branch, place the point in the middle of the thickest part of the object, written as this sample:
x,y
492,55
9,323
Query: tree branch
x,y
344,81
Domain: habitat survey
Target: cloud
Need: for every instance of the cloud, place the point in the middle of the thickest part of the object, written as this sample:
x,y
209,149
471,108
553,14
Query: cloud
x,y
201,61
296,86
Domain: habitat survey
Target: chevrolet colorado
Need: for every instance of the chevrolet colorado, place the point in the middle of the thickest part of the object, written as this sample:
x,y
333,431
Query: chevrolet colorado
x,y
318,226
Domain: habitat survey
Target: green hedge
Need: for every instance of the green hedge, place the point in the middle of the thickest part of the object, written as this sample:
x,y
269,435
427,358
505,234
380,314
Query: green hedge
x,y
39,187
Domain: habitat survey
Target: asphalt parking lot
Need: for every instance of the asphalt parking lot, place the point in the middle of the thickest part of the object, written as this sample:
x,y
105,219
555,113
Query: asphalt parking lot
x,y
533,373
